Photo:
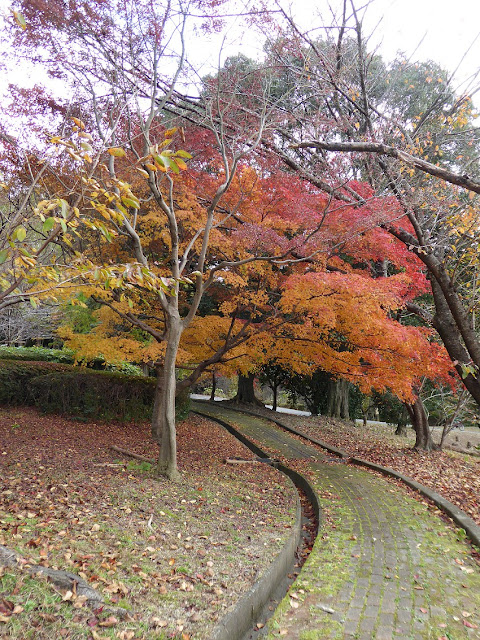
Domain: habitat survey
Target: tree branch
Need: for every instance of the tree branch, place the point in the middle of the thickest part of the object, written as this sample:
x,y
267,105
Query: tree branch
x,y
463,181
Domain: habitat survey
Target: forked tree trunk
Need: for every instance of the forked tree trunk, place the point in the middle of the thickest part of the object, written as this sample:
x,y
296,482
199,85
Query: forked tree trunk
x,y
418,416
163,420
245,390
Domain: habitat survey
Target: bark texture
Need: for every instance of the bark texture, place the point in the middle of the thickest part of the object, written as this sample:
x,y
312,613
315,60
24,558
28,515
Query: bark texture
x,y
338,406
418,416
245,391
163,420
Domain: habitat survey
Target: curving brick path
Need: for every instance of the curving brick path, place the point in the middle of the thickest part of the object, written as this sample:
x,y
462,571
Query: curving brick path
x,y
384,567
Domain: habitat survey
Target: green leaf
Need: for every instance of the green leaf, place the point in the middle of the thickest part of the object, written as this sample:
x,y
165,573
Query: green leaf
x,y
160,159
63,207
33,302
20,233
131,203
48,225
25,252
174,167
19,19
170,163
64,225
3,255
184,154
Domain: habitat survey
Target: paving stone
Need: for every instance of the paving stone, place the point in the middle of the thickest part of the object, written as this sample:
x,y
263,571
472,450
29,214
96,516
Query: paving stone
x,y
404,616
373,600
378,601
367,625
354,613
386,619
350,627
371,611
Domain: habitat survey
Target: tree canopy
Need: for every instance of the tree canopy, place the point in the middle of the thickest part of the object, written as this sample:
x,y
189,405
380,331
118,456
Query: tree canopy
x,y
289,210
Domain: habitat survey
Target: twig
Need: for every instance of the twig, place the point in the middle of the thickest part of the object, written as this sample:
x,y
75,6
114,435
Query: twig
x,y
132,454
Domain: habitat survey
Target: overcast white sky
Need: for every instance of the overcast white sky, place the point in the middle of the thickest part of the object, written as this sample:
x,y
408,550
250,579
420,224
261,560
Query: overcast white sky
x,y
441,30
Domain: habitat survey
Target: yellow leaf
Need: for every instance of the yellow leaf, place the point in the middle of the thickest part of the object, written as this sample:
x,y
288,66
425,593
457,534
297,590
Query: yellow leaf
x,y
79,123
181,164
117,152
19,19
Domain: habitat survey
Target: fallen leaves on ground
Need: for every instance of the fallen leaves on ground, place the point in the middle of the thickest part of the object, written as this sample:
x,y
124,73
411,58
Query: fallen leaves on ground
x,y
175,553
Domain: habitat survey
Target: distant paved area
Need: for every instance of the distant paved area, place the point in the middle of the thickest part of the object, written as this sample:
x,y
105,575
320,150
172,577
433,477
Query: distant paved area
x,y
384,566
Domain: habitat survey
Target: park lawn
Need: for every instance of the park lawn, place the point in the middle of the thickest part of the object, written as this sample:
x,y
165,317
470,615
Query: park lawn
x,y
176,556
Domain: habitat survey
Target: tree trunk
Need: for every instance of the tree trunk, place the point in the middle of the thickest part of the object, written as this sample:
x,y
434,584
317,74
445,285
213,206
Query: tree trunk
x,y
418,416
163,420
444,323
337,405
245,391
275,396
214,387
401,429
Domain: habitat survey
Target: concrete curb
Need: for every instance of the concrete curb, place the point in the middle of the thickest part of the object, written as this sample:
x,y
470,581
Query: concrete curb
x,y
324,445
235,624
471,528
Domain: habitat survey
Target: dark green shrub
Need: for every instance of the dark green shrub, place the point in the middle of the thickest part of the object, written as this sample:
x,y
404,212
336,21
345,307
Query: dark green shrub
x,y
182,405
16,377
99,394
95,394
85,393
38,354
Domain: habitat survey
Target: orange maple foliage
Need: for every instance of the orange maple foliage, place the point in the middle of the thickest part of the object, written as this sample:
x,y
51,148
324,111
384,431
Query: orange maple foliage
x,y
305,281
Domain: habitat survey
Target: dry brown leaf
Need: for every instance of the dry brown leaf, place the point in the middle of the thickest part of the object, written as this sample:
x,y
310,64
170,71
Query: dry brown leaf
x,y
111,621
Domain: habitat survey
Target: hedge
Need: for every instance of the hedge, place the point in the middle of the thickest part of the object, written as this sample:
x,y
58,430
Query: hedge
x,y
64,356
37,354
84,393
16,378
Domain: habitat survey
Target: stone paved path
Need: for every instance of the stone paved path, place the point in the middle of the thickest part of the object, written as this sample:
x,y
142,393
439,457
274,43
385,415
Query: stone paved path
x,y
387,567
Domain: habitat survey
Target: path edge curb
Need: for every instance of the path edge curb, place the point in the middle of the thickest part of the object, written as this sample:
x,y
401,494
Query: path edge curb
x,y
466,523
471,528
236,623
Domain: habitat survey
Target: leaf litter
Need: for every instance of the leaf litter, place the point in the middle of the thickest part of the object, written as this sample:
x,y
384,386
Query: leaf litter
x,y
176,556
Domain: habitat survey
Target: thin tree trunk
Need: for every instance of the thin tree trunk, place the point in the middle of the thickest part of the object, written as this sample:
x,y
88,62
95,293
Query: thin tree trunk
x,y
163,421
418,416
214,387
275,396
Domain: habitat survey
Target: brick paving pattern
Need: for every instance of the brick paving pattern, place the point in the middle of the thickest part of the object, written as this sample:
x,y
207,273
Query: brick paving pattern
x,y
402,572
